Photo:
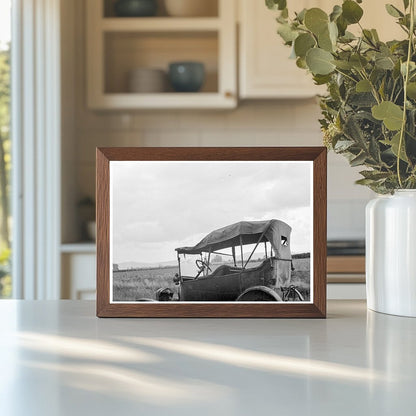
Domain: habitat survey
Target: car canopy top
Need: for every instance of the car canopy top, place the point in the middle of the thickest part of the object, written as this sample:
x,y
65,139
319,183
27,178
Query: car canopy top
x,y
276,232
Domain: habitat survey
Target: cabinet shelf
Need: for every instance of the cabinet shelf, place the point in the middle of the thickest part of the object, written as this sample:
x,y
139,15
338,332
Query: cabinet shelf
x,y
116,46
198,100
160,24
80,247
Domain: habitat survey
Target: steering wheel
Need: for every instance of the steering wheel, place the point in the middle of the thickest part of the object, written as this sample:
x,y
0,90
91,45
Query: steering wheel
x,y
202,265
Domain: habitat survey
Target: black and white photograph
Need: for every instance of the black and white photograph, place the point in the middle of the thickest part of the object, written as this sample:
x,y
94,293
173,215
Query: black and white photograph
x,y
211,231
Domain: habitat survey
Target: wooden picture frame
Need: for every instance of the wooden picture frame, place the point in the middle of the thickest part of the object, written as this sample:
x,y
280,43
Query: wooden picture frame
x,y
315,308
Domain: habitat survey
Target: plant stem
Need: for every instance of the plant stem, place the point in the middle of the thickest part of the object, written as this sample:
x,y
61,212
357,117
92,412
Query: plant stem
x,y
373,88
397,95
346,75
406,80
392,91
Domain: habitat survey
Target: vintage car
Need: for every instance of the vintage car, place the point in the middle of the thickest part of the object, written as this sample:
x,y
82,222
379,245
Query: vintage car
x,y
236,280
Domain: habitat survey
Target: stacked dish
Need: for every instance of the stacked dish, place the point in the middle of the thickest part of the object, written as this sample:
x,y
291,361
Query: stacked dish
x,y
147,80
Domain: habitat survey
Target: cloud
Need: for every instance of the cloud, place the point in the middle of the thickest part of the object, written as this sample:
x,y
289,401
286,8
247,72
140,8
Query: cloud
x,y
158,206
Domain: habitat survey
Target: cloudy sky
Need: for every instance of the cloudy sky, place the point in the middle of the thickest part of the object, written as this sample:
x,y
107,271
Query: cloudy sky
x,y
158,206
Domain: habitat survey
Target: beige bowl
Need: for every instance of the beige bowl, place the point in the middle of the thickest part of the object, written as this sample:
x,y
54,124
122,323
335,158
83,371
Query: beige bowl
x,y
191,8
92,230
147,80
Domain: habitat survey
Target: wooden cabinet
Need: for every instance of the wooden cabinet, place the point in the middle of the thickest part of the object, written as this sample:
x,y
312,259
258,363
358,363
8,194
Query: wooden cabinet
x,y
118,45
346,277
78,262
265,69
346,269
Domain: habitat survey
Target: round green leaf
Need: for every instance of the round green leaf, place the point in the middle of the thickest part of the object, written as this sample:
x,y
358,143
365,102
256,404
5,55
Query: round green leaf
x,y
347,37
336,12
319,61
411,90
316,20
287,33
301,15
344,65
369,38
358,61
301,63
284,14
403,66
276,4
363,86
384,62
322,79
351,11
328,38
303,43
391,114
342,25
393,11
333,32
375,35
324,41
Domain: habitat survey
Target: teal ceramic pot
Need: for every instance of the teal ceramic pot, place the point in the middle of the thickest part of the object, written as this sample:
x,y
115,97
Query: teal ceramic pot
x,y
186,76
135,8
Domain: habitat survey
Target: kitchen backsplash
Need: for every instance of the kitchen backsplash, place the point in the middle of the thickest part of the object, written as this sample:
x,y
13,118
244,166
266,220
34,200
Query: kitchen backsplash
x,y
271,123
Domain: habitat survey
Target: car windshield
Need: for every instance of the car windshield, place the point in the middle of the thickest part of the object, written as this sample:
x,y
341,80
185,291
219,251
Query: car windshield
x,y
189,262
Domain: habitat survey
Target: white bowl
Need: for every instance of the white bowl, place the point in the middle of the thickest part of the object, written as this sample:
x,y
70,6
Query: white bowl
x,y
191,8
147,80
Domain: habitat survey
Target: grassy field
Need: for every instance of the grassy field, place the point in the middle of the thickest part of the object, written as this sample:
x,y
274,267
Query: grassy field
x,y
142,283
131,285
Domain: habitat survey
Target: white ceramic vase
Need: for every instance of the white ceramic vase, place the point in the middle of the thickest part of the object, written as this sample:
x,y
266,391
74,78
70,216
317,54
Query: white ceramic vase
x,y
391,253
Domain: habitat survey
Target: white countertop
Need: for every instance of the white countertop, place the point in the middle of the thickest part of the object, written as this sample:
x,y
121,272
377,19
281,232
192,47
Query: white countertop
x,y
57,358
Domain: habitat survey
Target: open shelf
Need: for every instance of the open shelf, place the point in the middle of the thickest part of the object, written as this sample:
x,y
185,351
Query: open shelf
x,y
346,264
119,45
81,247
167,100
160,24
346,269
127,51
211,9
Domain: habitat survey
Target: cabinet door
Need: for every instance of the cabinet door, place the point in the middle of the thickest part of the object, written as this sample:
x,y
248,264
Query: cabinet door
x,y
78,276
265,68
376,17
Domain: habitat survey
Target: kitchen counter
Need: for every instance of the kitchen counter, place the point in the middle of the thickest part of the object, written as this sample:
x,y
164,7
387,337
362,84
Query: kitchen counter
x,y
57,358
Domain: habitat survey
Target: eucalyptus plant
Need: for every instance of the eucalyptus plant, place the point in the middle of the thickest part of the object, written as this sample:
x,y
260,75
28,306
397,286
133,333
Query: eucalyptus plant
x,y
369,111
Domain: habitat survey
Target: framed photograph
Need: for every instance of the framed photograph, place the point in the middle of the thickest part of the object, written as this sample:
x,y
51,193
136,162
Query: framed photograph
x,y
211,232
